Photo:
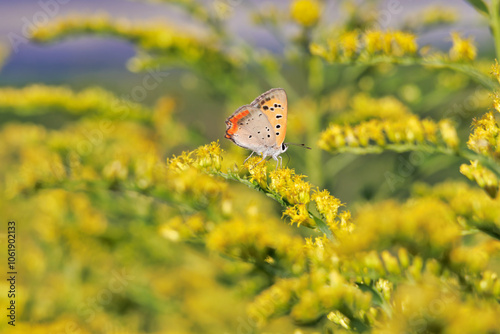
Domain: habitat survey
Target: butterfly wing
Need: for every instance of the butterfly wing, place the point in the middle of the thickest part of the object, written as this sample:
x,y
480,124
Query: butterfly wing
x,y
274,105
249,128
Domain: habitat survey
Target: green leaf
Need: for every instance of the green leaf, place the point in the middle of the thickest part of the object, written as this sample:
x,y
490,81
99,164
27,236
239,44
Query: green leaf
x,y
323,228
480,6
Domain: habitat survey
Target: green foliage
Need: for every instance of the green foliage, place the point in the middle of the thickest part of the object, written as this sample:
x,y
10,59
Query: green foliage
x,y
374,231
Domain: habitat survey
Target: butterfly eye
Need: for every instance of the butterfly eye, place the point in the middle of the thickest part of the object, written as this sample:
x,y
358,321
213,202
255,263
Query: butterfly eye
x,y
283,147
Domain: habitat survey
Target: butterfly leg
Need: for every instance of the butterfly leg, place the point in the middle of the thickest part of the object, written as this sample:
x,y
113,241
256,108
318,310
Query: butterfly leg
x,y
279,162
248,157
265,157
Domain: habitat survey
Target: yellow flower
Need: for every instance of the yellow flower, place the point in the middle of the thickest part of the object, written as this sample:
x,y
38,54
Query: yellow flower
x,y
318,50
485,139
437,14
290,186
364,107
495,71
462,49
496,99
340,319
181,162
384,286
305,12
258,172
391,263
116,170
448,133
403,43
327,205
373,41
424,224
349,43
209,156
298,214
484,177
430,130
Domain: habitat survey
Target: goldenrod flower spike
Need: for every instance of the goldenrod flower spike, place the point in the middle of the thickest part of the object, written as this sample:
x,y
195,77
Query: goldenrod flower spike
x,y
349,43
258,171
399,135
299,214
484,177
462,49
327,206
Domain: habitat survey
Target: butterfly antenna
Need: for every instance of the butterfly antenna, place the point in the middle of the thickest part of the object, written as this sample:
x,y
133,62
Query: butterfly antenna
x,y
301,145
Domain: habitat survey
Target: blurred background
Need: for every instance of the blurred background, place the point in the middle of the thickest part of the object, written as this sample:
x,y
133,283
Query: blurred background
x,y
202,60
88,60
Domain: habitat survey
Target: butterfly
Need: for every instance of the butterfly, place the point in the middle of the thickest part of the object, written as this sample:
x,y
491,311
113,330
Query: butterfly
x,y
261,125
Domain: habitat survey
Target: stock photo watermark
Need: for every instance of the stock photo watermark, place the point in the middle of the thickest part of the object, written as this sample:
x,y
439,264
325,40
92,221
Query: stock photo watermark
x,y
48,10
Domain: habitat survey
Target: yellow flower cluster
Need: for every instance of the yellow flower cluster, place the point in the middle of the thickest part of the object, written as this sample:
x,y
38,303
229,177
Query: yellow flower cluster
x,y
462,49
424,225
150,36
474,209
207,157
290,186
433,15
377,134
295,194
367,266
311,296
305,12
352,45
328,206
36,99
349,43
485,138
364,107
438,14
495,72
189,177
299,214
258,172
391,43
253,241
419,307
469,260
483,176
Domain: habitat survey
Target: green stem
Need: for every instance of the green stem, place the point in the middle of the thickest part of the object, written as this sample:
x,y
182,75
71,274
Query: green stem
x,y
495,24
435,62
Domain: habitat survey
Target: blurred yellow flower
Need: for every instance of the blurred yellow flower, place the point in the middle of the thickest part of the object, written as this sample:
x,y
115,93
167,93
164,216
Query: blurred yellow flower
x,y
305,12
495,71
484,177
349,43
462,49
448,133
